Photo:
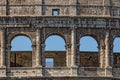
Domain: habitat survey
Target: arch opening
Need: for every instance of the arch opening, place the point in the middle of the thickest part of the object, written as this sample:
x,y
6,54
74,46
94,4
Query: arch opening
x,y
21,52
116,52
89,56
88,43
55,43
55,50
116,43
21,43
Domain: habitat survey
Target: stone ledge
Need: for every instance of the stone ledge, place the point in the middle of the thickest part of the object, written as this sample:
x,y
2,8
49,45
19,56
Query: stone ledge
x,y
59,78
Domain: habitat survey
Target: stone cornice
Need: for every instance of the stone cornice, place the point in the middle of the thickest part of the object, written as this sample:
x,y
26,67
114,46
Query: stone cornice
x,y
60,21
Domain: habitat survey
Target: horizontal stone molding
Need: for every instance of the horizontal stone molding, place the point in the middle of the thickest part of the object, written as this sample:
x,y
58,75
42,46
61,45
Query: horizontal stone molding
x,y
66,21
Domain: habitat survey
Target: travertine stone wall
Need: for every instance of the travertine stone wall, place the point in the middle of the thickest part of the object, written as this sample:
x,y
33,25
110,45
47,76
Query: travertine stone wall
x,y
25,7
3,7
77,18
115,2
3,2
21,59
90,2
66,7
87,59
90,10
2,10
63,10
23,2
59,57
62,78
22,10
56,2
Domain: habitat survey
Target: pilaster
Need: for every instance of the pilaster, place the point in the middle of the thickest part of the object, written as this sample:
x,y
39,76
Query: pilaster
x,y
73,9
43,54
33,55
42,45
105,64
108,68
8,55
102,57
38,48
2,48
107,51
68,56
101,70
106,7
38,10
73,47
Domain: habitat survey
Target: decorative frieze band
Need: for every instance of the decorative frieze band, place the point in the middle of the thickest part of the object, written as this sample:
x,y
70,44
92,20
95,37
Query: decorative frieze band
x,y
93,22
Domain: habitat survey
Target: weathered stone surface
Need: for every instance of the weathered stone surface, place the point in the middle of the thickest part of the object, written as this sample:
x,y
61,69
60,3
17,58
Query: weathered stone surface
x,y
61,78
99,19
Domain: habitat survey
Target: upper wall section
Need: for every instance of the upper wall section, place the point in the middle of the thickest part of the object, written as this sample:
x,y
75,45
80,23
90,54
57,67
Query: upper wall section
x,y
115,3
56,2
3,7
65,7
3,2
24,7
24,2
93,7
90,2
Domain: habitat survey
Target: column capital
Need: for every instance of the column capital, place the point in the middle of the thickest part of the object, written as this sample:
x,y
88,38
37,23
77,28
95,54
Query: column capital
x,y
68,45
73,28
33,46
9,46
43,45
2,28
38,28
102,46
77,45
111,47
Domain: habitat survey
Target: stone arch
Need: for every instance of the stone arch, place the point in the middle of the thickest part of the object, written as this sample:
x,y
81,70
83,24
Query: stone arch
x,y
21,58
61,35
116,43
58,54
24,38
19,34
58,38
90,57
116,51
93,38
